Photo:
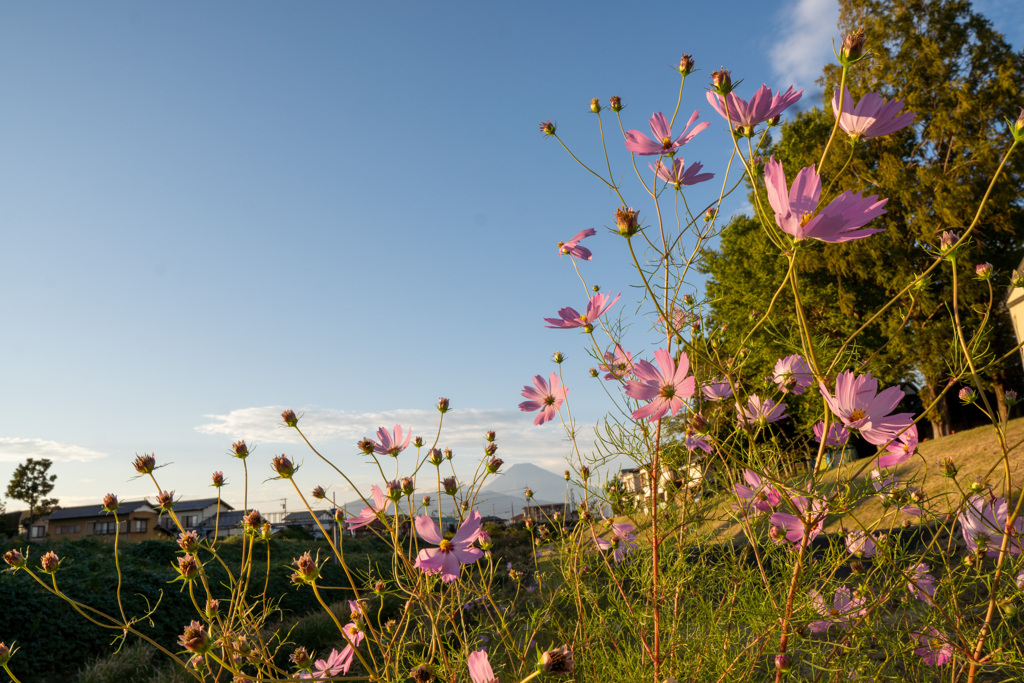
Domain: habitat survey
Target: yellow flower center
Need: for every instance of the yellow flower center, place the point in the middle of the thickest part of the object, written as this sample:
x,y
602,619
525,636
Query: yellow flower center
x,y
666,142
857,414
806,217
446,546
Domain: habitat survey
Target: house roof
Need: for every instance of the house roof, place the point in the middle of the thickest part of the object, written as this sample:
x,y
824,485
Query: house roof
x,y
199,504
304,516
124,507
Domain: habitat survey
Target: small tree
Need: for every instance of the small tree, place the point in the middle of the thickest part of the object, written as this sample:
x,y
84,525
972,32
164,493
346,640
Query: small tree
x,y
31,484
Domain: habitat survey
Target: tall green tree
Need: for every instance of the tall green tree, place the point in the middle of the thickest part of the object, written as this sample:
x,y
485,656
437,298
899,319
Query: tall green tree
x,y
962,80
31,483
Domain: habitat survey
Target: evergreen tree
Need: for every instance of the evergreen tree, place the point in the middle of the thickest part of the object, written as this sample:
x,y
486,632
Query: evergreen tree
x,y
31,483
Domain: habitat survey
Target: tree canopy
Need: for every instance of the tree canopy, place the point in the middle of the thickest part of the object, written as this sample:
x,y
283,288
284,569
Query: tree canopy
x,y
31,483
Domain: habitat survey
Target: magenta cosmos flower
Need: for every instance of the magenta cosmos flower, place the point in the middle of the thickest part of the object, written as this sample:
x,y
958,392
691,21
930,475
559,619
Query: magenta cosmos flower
x,y
573,248
338,663
570,317
391,445
663,143
872,117
900,448
837,434
982,523
796,211
622,541
545,397
793,375
665,386
447,559
717,390
845,607
379,505
790,528
860,406
743,115
759,494
860,544
935,649
679,175
619,364
922,584
480,667
760,411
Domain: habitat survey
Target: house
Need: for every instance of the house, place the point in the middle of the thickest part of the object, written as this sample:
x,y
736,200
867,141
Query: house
x,y
306,521
636,481
136,521
193,513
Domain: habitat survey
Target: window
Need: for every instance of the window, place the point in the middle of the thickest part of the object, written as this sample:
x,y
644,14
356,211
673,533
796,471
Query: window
x,y
190,520
68,529
103,528
138,526
39,531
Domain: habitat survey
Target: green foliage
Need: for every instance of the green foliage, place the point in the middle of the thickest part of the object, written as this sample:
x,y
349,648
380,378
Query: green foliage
x,y
30,484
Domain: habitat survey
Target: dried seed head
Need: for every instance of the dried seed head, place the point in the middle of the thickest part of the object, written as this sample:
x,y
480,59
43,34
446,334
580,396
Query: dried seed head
x,y
306,567
195,639
490,435
240,449
188,567
686,65
110,503
283,466
853,47
408,487
165,500
495,463
300,657
145,463
627,221
319,493
290,418
188,541
253,521
435,457
557,661
422,674
547,127
14,558
451,486
366,445
218,479
212,608
615,103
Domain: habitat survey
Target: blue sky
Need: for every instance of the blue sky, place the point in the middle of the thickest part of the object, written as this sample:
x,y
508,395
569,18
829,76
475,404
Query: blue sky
x,y
215,211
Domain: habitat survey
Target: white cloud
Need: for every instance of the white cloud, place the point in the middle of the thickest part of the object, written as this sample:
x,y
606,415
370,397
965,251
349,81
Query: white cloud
x,y
462,431
805,41
15,450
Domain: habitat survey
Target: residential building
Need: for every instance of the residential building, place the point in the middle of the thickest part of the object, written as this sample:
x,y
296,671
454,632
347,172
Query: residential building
x,y
136,521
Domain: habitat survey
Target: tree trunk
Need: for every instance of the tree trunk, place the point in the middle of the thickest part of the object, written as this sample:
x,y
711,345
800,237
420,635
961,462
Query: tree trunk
x,y
938,416
1004,410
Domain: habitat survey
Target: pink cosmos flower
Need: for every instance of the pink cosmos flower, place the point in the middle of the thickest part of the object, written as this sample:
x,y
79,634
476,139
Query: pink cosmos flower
x,y
618,365
860,544
744,115
787,527
982,523
796,211
569,317
761,495
380,504
543,397
480,668
447,559
922,584
391,446
900,448
622,541
679,175
573,248
638,143
837,434
846,606
665,386
717,390
793,375
338,663
860,406
872,117
935,649
760,411
693,440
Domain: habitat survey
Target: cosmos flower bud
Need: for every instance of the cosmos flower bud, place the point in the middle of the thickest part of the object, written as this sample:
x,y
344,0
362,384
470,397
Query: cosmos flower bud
x,y
240,449
434,457
442,405
218,479
145,463
547,128
948,239
306,567
408,488
49,562
585,473
339,515
490,435
252,521
448,454
319,493
301,659
283,466
490,449
195,638
484,539
852,50
188,540
615,103
566,475
710,214
393,490
686,65
1011,397
558,357
968,395
1017,278
418,442
857,566
426,501
594,372
5,654
165,500
14,558
290,418
783,662
721,82
266,531
528,493
776,532
1017,127
595,105
110,503
557,661
212,608
495,463
366,445
528,522
949,468
188,567
626,219
983,271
